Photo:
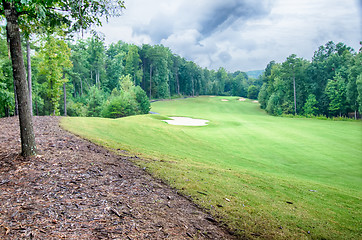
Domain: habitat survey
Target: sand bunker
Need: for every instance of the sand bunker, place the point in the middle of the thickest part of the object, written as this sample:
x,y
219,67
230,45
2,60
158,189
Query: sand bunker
x,y
242,99
224,100
185,121
255,101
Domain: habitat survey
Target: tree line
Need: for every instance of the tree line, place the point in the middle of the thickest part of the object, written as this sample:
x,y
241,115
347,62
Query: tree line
x,y
87,75
329,85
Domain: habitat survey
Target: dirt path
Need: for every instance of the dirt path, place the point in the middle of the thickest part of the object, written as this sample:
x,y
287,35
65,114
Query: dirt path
x,y
76,190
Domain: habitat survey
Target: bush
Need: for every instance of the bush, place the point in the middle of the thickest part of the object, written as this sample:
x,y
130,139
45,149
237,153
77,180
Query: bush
x,y
144,105
76,109
121,106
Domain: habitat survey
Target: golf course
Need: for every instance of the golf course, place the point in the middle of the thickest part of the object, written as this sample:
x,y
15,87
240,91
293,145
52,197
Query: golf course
x,y
262,176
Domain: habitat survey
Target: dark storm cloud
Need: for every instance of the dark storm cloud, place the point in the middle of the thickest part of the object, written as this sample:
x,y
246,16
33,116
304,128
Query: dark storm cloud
x,y
159,28
227,12
204,16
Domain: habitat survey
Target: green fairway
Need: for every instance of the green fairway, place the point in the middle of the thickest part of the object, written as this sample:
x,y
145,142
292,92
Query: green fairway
x,y
264,176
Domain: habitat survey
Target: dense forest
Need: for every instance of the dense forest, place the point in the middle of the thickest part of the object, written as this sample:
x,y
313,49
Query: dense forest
x,y
88,78
96,77
329,85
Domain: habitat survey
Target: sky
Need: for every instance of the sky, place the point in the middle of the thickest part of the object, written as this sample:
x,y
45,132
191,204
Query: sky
x,y
238,34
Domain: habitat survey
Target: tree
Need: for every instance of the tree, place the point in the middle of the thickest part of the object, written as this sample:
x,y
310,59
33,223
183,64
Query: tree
x,y
132,65
336,92
74,14
95,102
55,56
310,107
359,89
253,92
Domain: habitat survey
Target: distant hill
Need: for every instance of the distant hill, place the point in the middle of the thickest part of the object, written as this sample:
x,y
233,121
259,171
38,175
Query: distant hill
x,y
255,73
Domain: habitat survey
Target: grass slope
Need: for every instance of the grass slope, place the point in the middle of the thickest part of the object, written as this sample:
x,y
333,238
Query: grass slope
x,y
254,171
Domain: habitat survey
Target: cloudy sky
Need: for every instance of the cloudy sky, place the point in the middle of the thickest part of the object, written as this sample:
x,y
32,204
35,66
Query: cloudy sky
x,y
238,34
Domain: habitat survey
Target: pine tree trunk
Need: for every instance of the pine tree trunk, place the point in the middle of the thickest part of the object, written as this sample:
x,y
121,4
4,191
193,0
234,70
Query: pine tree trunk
x,y
29,75
295,95
178,83
65,99
16,113
81,87
150,81
28,145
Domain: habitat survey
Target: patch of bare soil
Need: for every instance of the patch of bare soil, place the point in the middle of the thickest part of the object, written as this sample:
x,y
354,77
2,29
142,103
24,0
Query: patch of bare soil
x,y
76,190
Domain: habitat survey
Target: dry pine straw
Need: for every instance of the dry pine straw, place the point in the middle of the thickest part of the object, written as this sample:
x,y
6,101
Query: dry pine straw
x,y
74,189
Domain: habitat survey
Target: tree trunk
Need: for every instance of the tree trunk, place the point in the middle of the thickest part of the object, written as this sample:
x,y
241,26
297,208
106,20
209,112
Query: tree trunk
x,y
29,75
178,83
295,95
16,113
81,87
28,145
65,99
193,86
150,81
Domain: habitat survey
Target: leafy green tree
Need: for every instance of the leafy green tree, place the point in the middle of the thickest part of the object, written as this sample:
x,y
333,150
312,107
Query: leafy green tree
x,y
55,56
359,89
238,85
352,92
336,92
74,14
115,56
130,100
95,102
143,103
274,106
132,65
253,92
80,72
7,101
96,59
310,107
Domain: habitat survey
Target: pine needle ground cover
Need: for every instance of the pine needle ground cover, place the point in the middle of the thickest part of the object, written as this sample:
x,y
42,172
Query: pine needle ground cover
x,y
263,176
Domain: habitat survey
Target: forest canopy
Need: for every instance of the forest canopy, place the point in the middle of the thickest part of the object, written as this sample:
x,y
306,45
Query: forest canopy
x,y
93,75
329,85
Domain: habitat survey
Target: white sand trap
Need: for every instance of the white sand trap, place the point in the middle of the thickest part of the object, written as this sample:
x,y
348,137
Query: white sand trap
x,y
185,121
255,101
212,96
242,99
224,100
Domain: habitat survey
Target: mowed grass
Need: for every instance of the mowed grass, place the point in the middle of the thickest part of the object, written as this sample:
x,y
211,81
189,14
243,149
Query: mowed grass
x,y
263,176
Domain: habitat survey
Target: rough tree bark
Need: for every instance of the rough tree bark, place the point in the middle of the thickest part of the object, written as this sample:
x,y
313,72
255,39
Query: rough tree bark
x,y
29,75
28,145
65,99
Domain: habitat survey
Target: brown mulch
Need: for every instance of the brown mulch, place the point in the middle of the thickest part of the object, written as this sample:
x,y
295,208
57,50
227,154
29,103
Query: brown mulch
x,y
75,189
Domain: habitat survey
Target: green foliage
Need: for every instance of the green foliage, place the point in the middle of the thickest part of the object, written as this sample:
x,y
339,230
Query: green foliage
x,y
253,92
75,109
336,92
310,107
121,106
274,107
330,78
130,100
95,102
144,105
359,89
55,58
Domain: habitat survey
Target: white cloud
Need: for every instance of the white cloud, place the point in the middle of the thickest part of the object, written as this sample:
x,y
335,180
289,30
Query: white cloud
x,y
238,34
